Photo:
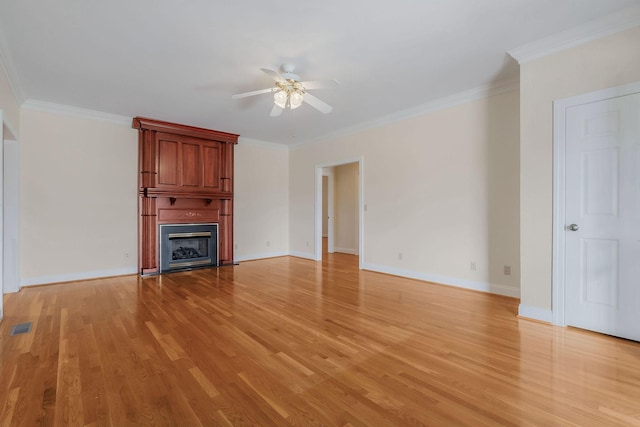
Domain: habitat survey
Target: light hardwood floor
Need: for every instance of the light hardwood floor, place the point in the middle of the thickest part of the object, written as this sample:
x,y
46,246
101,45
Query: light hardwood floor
x,y
287,341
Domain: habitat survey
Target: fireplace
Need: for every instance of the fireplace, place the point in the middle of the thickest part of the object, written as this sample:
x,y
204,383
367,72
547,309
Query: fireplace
x,y
185,176
186,246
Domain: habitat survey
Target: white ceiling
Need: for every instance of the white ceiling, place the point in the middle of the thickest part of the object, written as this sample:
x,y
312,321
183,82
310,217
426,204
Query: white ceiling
x,y
181,60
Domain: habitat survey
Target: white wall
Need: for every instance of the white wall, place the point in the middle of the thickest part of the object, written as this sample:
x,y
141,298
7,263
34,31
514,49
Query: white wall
x,y
607,62
9,106
11,217
261,193
346,208
9,132
78,197
441,188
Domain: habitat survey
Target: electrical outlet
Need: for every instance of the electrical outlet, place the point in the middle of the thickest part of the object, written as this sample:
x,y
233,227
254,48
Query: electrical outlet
x,y
268,243
507,270
127,255
472,266
235,246
307,243
400,256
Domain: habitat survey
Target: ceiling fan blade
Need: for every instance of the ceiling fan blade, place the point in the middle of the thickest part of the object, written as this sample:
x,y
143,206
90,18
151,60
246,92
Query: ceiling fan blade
x,y
275,111
317,104
252,93
320,84
273,74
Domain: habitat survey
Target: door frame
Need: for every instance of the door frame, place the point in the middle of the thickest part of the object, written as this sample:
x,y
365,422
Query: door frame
x,y
9,210
328,172
560,106
10,215
318,206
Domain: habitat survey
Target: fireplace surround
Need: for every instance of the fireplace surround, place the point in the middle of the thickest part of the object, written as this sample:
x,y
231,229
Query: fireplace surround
x,y
185,177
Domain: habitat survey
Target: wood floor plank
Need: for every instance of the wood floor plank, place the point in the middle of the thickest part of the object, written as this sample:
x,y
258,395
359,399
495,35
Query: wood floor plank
x,y
288,341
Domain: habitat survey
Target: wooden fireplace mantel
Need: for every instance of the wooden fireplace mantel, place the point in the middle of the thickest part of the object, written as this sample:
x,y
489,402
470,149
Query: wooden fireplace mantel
x,y
185,176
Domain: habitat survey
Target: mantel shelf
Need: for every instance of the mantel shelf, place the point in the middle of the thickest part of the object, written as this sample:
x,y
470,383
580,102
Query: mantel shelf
x,y
155,192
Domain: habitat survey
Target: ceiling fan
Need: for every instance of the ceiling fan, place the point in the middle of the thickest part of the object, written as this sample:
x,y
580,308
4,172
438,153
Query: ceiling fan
x,y
290,92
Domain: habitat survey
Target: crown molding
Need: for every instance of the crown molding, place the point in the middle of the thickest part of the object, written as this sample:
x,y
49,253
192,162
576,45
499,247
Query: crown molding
x,y
6,63
478,93
610,24
66,110
264,144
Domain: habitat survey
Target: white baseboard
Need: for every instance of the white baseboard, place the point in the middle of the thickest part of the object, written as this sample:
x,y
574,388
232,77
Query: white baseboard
x,y
85,275
259,256
305,255
445,280
535,313
350,251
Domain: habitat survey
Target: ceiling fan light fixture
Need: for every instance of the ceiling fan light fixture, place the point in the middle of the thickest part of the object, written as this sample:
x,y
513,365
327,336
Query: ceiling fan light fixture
x,y
280,98
289,92
295,99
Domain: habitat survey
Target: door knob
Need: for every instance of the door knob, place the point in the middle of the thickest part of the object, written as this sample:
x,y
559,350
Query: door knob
x,y
573,227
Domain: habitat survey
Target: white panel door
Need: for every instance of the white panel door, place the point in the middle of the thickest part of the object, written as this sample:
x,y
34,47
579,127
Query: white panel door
x,y
602,213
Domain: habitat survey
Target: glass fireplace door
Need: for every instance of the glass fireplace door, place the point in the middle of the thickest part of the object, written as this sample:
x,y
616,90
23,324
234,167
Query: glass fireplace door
x,y
187,246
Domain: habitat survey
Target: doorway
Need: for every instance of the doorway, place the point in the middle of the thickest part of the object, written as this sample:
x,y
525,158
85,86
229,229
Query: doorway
x,y
327,210
597,212
345,223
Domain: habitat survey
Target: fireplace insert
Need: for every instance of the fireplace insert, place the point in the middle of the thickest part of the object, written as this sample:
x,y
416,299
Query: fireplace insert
x,y
187,246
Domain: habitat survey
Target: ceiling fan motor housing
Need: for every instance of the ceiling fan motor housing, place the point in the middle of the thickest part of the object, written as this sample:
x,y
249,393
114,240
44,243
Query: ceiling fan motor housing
x,y
288,74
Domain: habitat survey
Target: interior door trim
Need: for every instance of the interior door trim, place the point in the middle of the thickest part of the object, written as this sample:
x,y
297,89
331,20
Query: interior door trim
x,y
559,175
318,206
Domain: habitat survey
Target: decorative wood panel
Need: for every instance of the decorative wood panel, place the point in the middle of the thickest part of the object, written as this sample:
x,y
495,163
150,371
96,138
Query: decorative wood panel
x,y
185,176
211,176
187,162
191,165
225,230
148,235
167,162
147,160
186,216
227,168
